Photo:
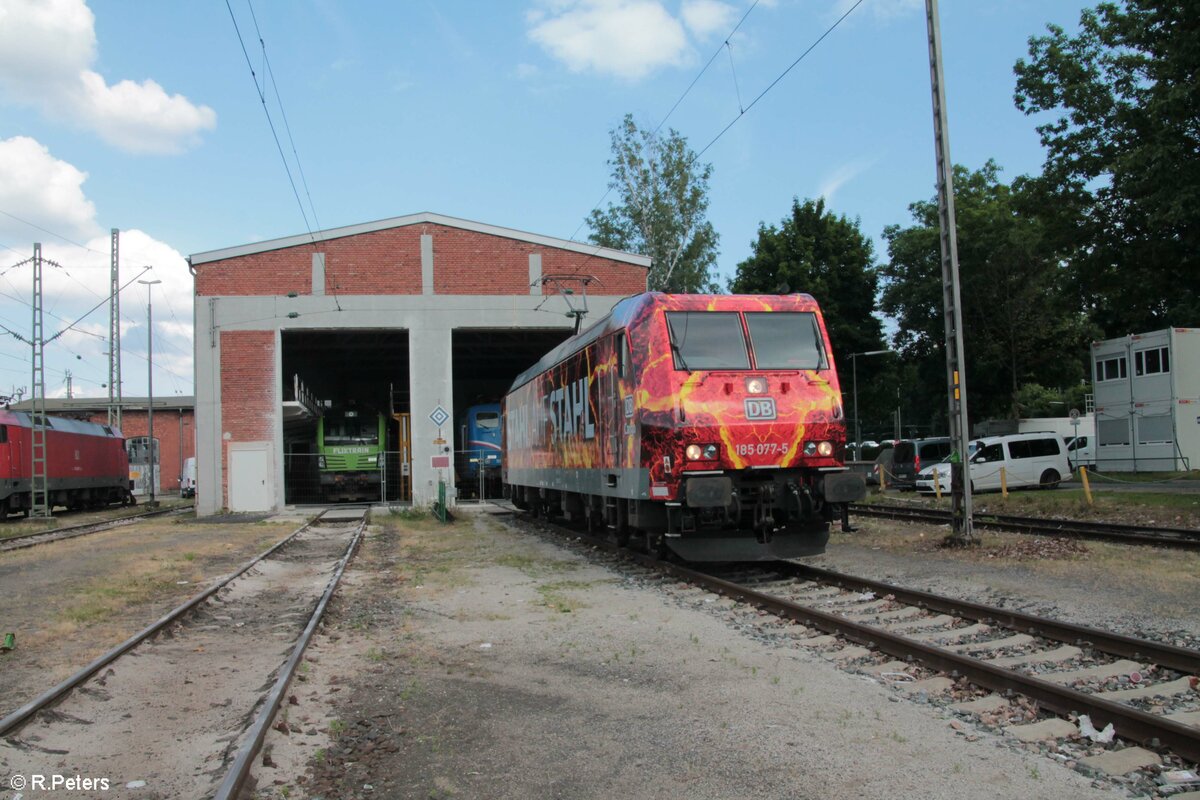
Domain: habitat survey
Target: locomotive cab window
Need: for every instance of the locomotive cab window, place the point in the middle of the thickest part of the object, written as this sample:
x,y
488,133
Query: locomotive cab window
x,y
707,340
622,355
351,429
786,340
489,420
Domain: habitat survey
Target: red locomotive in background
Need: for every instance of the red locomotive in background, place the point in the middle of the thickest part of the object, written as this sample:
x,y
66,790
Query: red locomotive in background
x,y
711,425
86,464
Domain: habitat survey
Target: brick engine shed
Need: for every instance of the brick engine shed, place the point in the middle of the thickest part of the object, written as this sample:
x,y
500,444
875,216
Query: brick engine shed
x,y
414,318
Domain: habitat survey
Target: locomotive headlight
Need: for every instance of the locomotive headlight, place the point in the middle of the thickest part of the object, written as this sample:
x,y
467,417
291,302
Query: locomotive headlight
x,y
701,452
810,448
320,462
756,385
825,448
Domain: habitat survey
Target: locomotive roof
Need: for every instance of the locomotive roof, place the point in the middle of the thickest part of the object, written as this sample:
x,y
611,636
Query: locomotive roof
x,y
624,311
22,419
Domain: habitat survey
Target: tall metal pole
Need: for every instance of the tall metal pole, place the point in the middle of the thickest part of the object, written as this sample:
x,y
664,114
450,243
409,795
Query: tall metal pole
x,y
39,497
854,369
857,430
114,333
150,384
961,526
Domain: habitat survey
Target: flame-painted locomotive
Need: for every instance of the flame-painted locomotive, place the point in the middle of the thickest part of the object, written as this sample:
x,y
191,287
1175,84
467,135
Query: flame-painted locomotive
x,y
86,464
710,425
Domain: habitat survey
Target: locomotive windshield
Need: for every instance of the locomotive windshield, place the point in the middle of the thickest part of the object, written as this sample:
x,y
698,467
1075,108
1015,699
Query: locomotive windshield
x,y
707,340
487,420
352,429
786,340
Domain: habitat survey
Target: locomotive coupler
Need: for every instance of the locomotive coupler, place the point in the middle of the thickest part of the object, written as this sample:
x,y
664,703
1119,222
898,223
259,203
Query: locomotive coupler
x,y
800,504
764,520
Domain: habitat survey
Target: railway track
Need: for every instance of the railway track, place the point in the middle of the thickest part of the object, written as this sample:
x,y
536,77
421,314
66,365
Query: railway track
x,y
182,707
1188,538
1146,690
24,540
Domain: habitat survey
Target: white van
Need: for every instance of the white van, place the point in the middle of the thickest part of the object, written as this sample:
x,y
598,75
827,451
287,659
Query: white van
x,y
1028,459
187,481
1081,450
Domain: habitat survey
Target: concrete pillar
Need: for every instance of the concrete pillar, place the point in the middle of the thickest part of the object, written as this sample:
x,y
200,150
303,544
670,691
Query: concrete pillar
x,y
431,379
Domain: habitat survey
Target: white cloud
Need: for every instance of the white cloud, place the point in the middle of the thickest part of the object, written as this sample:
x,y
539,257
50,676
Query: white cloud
x,y
835,180
46,49
625,38
49,193
43,191
707,17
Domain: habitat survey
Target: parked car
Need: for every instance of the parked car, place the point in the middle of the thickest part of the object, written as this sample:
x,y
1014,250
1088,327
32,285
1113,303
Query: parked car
x,y
911,455
882,466
1028,459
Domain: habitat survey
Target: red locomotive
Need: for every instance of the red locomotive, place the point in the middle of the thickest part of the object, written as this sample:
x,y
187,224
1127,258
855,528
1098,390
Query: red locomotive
x,y
711,425
86,464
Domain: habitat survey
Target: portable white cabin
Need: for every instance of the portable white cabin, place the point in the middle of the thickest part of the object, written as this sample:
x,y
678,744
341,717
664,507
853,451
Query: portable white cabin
x,y
1147,389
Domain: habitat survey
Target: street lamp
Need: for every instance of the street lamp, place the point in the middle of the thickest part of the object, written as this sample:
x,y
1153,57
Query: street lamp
x,y
150,382
854,368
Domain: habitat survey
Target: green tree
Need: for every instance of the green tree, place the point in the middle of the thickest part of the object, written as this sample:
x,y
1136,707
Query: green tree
x,y
818,253
1123,157
1020,326
663,200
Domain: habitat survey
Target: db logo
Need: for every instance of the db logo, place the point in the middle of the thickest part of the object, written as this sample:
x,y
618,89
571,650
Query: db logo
x,y
760,408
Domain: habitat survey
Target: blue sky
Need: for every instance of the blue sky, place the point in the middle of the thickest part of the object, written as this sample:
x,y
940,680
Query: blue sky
x,y
144,117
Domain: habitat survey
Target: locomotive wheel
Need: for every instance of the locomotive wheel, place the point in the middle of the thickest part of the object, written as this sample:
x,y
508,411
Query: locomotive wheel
x,y
621,529
656,545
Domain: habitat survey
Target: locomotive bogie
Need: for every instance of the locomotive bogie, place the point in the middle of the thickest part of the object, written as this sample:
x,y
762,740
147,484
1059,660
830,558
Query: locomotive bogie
x,y
724,446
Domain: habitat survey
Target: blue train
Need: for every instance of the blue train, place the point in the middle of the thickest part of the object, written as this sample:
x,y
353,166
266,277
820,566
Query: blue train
x,y
479,440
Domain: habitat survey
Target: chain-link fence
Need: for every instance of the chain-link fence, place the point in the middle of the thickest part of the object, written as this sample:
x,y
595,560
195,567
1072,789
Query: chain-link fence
x,y
477,476
308,482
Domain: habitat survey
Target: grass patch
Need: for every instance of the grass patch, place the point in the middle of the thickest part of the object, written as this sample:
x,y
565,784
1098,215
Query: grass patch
x,y
536,566
1175,509
554,595
102,600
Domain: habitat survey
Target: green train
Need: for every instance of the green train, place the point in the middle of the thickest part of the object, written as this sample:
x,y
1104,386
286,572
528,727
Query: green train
x,y
350,453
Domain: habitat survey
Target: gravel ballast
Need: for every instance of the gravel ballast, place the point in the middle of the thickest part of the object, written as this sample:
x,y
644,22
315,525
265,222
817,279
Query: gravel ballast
x,y
478,660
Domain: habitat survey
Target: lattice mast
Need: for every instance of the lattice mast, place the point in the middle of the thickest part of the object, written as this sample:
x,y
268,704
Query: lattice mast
x,y
39,498
114,334
962,529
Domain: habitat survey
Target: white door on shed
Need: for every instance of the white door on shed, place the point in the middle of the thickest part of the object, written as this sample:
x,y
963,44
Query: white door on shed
x,y
250,478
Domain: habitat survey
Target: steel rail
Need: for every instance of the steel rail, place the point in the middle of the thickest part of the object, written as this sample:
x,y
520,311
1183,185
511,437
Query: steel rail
x,y
24,540
1177,658
22,715
1128,534
236,777
1129,723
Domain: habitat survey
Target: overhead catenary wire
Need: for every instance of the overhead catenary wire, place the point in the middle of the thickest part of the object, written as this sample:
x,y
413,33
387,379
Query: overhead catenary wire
x,y
679,100
270,122
283,115
781,76
50,232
